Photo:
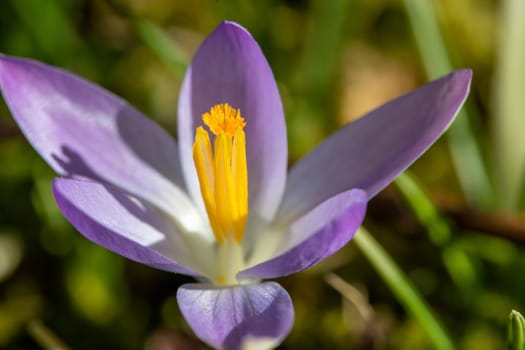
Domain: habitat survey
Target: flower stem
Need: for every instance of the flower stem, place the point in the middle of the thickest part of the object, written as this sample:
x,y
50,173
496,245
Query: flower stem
x,y
402,288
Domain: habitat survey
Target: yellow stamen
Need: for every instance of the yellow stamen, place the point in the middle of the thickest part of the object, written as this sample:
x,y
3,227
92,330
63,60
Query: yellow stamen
x,y
223,174
203,158
223,119
240,179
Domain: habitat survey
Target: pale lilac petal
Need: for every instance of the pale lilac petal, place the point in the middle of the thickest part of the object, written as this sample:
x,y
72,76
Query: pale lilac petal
x,y
370,152
122,224
84,131
227,317
315,236
230,68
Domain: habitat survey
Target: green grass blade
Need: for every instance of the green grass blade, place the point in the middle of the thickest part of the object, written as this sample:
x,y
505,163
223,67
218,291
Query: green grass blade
x,y
465,148
508,122
162,45
423,208
402,288
50,27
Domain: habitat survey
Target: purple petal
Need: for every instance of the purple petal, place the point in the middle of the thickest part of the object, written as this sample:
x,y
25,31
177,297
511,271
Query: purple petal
x,y
82,130
318,234
230,68
372,151
122,224
228,317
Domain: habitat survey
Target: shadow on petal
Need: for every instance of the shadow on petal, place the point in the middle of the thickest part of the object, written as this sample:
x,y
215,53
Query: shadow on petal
x,y
84,131
150,143
74,166
123,224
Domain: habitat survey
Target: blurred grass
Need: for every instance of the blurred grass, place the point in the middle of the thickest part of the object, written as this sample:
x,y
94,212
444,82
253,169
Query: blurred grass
x,y
45,337
96,300
50,28
509,124
167,50
402,288
465,146
423,208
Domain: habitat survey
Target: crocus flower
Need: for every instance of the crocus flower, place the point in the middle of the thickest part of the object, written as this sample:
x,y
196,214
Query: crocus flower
x,y
219,205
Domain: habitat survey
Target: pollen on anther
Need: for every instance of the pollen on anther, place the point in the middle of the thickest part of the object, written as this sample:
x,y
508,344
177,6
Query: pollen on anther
x,y
223,118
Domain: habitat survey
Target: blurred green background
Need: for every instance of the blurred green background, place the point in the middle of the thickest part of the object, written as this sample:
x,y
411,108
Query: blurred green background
x,y
455,225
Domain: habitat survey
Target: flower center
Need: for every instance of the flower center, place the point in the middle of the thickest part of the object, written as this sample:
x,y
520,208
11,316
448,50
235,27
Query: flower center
x,y
223,179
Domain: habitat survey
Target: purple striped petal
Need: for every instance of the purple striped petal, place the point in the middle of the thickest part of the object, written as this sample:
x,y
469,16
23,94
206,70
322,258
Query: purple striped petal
x,y
230,68
82,130
229,317
372,151
122,224
318,234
